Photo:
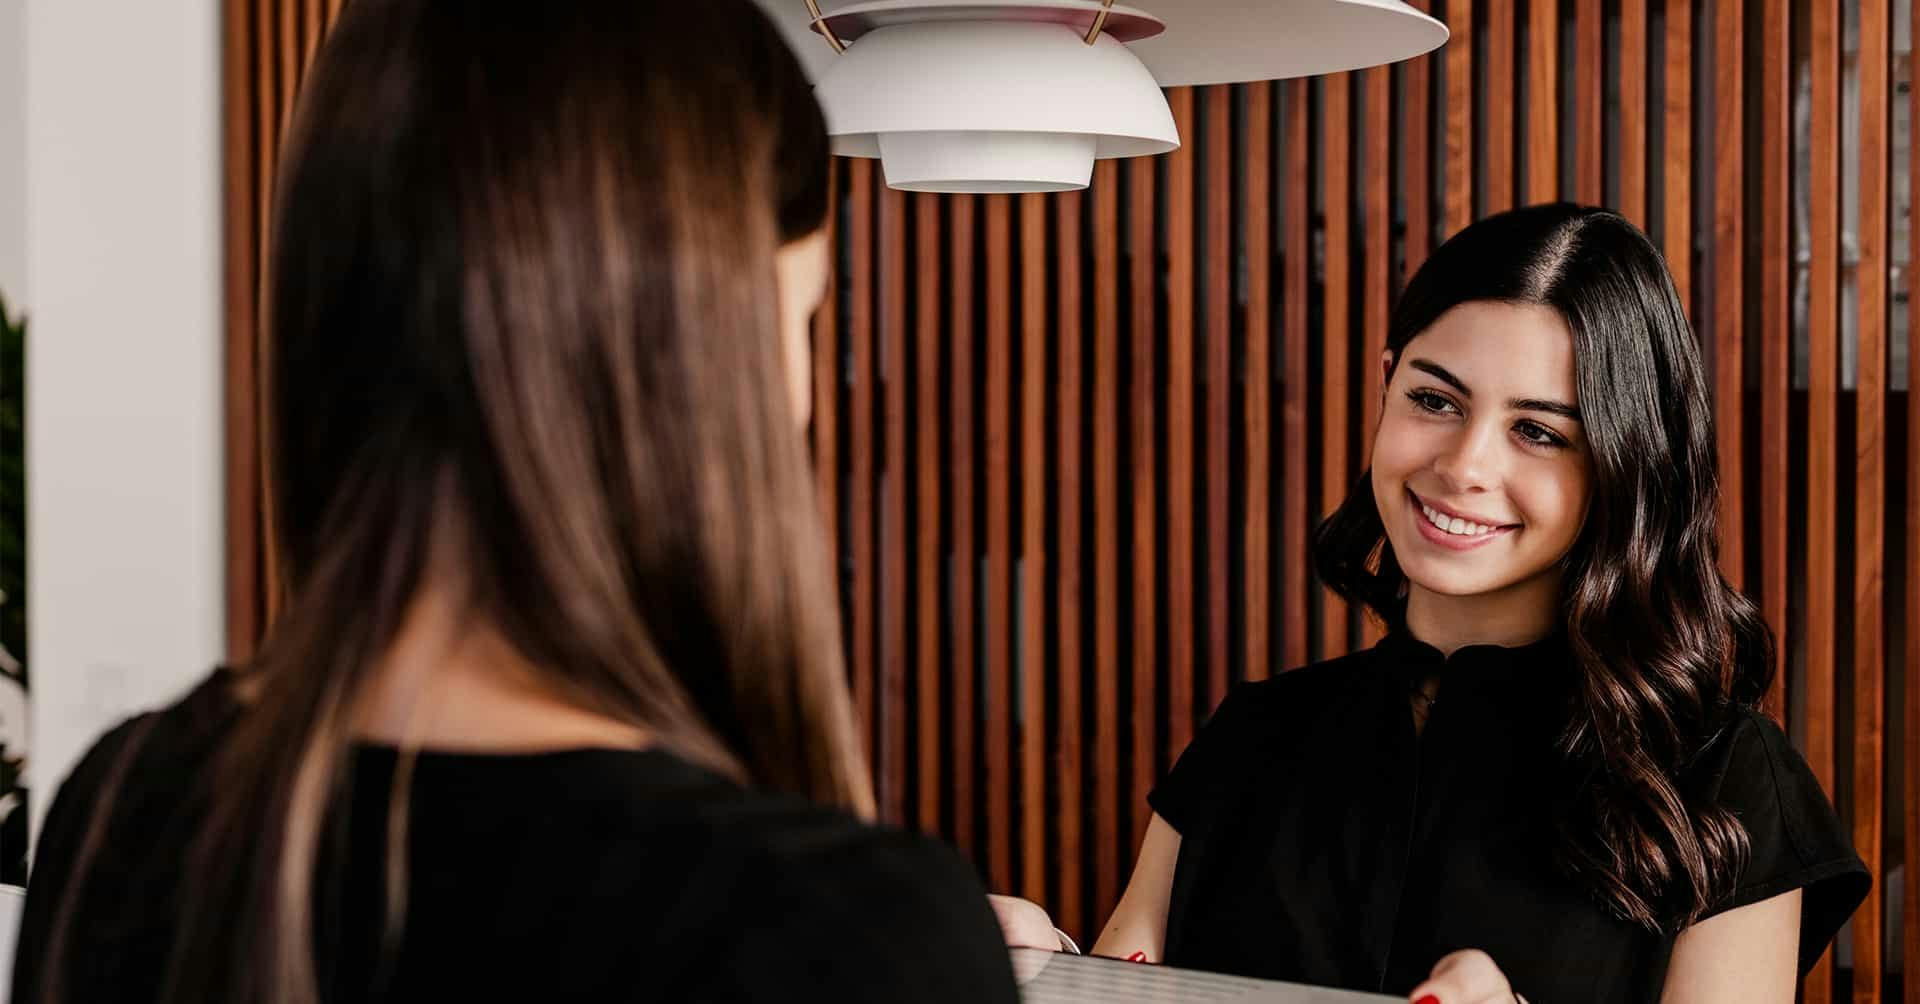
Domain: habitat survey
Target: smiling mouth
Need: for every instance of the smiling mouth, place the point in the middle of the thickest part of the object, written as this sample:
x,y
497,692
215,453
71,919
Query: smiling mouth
x,y
1455,526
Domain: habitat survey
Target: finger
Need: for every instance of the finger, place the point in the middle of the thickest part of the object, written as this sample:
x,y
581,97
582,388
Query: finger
x,y
1465,977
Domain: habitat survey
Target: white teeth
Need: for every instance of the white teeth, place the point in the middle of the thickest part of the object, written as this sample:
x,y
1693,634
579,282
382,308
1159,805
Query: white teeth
x,y
1453,524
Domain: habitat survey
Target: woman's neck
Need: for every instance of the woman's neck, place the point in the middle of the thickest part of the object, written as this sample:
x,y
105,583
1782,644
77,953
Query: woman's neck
x,y
453,683
1519,615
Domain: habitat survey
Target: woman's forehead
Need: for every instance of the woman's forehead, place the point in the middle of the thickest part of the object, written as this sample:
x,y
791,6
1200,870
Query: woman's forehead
x,y
1501,349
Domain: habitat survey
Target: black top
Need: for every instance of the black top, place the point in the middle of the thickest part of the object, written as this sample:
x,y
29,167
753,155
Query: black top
x,y
1324,841
585,875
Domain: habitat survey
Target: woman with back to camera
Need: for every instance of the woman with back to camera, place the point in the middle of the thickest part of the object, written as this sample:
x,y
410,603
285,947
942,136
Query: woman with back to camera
x,y
555,708
1550,780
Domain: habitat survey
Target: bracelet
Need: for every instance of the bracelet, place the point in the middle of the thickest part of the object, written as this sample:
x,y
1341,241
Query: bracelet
x,y
1066,943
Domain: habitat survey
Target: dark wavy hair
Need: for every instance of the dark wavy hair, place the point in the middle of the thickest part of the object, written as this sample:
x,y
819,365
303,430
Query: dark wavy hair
x,y
1664,648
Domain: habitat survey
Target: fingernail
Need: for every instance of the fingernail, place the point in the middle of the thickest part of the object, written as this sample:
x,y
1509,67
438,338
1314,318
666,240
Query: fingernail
x,y
1428,999
1142,957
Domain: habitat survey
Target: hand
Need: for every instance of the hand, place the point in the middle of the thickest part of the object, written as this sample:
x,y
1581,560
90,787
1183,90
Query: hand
x,y
1467,977
1024,924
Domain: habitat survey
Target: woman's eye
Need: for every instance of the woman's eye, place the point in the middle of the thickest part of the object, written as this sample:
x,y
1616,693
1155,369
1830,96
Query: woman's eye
x,y
1539,435
1428,401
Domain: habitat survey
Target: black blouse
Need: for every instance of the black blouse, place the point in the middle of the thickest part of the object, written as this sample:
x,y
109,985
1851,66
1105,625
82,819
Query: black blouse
x,y
1324,841
582,875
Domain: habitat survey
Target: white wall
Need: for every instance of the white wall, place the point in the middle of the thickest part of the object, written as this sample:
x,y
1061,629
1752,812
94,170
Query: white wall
x,y
123,363
13,142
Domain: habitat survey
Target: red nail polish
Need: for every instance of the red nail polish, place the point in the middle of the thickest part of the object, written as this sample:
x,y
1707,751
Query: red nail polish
x,y
1428,999
1142,957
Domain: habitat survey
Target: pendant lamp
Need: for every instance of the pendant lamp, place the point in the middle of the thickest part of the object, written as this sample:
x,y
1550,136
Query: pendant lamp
x,y
1024,95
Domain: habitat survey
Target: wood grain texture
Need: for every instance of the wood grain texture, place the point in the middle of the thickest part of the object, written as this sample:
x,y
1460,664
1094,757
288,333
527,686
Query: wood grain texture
x,y
1145,478
1295,584
243,377
1590,155
1218,474
1910,828
1677,169
996,714
1180,583
1108,489
1069,372
1543,101
1775,332
890,767
860,466
1336,332
1036,274
1633,111
1870,481
1459,99
929,560
963,333
1497,131
1729,276
1256,561
1823,355
1416,127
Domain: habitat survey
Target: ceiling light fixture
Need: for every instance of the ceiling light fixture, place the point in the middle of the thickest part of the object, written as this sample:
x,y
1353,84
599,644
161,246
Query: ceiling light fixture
x,y
1024,95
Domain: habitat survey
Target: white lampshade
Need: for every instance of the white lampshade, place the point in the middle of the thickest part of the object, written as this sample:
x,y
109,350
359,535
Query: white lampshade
x,y
992,106
1008,96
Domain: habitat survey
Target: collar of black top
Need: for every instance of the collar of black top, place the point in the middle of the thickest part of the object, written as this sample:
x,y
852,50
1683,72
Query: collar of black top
x,y
1543,663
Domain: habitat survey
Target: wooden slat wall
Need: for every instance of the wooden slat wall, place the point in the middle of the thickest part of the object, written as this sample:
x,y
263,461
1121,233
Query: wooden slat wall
x,y
1072,448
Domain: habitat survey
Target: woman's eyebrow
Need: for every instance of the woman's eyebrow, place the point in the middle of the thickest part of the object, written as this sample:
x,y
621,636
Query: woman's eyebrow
x,y
1442,374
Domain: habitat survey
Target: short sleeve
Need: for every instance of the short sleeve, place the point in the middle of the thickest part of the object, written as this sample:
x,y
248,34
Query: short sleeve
x,y
1214,764
1796,839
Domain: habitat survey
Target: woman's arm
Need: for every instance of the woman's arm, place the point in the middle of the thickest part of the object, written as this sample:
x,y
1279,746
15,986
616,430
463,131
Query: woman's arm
x,y
1138,928
1748,955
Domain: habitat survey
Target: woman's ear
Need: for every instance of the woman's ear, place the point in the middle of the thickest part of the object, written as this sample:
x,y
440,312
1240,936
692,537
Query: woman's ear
x,y
1386,371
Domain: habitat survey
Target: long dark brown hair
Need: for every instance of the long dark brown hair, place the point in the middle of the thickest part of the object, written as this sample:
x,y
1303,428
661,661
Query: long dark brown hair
x,y
1663,646
523,298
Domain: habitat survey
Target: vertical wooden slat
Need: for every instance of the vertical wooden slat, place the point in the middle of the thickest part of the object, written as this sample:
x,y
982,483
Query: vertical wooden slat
x,y
1144,271
1588,148
962,333
1220,273
997,715
1106,537
287,39
1910,906
1822,403
891,593
1543,102
860,477
826,385
1377,240
1498,128
266,151
1335,331
1459,117
929,564
1677,174
1256,562
1416,149
1870,478
313,27
1179,520
1294,579
1070,377
242,364
1035,272
1729,293
1633,106
1775,331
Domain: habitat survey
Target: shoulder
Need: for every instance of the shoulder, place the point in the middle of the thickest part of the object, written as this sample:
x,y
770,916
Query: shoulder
x,y
857,911
1309,692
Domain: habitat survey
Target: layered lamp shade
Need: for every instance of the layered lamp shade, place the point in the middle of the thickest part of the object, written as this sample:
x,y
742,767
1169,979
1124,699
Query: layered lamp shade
x,y
1024,95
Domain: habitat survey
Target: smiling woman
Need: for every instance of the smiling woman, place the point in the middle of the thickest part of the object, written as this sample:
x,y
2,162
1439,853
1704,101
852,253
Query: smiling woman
x,y
1555,753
